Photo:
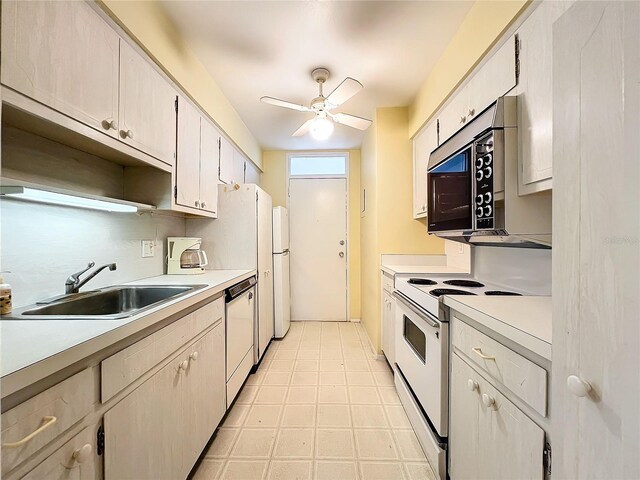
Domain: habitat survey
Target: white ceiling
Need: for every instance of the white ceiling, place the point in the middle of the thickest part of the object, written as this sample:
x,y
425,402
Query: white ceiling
x,y
261,48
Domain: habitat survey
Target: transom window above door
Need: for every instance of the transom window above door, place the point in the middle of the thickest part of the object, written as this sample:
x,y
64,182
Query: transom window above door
x,y
317,165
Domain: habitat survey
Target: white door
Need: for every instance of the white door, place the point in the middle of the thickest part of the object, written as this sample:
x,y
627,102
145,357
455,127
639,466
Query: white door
x,y
318,221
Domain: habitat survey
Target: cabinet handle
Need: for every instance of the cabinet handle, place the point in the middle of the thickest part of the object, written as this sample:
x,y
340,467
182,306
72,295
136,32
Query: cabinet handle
x,y
83,454
489,401
578,387
184,365
126,134
48,421
472,385
478,351
194,356
109,125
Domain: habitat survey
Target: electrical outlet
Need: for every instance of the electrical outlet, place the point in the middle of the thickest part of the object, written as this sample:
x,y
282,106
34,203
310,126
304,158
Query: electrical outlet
x,y
148,248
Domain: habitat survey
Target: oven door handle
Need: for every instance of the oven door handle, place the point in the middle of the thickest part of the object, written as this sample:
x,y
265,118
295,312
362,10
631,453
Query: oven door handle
x,y
423,314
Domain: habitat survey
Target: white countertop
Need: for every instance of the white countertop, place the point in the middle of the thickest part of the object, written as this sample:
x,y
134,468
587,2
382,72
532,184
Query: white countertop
x,y
418,269
34,349
523,320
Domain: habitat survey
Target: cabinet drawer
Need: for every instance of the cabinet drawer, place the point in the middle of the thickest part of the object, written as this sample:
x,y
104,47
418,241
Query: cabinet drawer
x,y
520,375
62,465
128,365
68,402
387,282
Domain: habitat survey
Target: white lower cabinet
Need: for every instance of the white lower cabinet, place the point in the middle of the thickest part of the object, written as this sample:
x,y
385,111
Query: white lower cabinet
x,y
159,430
423,144
489,437
388,319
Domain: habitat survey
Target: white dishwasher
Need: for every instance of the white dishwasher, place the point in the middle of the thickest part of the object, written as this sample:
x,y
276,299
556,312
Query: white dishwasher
x,y
240,315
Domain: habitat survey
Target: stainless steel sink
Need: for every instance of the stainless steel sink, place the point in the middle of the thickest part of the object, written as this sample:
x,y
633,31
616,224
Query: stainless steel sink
x,y
115,302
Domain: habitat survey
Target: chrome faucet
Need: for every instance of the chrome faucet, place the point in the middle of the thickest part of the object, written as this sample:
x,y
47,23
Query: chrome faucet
x,y
73,283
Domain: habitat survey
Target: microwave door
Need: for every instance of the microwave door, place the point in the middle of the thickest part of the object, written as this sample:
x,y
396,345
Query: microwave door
x,y
450,194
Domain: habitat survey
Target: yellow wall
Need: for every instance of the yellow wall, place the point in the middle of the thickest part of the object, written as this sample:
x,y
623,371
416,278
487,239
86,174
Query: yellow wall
x,y
274,182
480,29
148,25
388,225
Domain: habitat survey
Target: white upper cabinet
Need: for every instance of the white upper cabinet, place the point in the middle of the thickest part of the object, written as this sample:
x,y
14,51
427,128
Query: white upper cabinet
x,y
251,173
238,167
226,162
535,98
209,163
147,107
423,144
494,79
64,55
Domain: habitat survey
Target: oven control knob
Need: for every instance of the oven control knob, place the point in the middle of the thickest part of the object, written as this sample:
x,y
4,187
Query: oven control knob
x,y
487,210
479,175
487,160
479,211
479,199
488,197
487,172
479,163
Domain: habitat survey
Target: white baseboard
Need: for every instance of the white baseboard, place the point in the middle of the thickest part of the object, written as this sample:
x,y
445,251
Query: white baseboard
x,y
355,320
366,340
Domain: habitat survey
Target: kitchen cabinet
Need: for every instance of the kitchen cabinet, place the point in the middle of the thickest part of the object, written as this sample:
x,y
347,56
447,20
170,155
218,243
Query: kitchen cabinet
x,y
160,429
238,167
596,178
226,173
535,97
423,144
388,319
196,182
251,173
147,107
495,78
489,437
63,55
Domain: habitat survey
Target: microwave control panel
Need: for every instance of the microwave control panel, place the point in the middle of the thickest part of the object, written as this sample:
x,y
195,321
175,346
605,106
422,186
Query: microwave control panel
x,y
483,177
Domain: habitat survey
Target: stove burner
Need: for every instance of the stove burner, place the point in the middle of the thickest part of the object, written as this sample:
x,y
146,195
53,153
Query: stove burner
x,y
436,292
421,281
464,283
500,292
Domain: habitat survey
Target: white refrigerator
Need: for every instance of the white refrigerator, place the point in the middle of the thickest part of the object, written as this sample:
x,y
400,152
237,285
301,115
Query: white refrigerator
x,y
281,291
241,238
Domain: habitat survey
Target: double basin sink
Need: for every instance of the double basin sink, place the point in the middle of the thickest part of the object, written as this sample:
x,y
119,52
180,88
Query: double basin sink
x,y
111,303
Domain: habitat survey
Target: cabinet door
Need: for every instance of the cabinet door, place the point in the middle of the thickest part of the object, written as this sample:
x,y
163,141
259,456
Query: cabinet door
x,y
423,144
188,158
464,417
209,162
64,55
453,116
147,107
388,317
535,97
226,162
596,177
145,431
251,173
510,444
238,167
205,390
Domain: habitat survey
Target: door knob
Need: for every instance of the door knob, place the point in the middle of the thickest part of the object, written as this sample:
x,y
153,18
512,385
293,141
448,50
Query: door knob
x,y
341,254
577,386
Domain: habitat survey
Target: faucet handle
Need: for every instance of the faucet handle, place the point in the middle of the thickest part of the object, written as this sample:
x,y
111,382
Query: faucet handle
x,y
74,277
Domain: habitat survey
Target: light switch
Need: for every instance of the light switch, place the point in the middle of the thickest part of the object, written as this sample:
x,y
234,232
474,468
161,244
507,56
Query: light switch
x,y
148,248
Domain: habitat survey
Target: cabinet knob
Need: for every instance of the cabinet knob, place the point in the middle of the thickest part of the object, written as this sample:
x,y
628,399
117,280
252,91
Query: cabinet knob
x,y
472,112
109,125
488,401
83,454
126,134
203,205
472,385
197,203
577,386
194,356
184,365
463,119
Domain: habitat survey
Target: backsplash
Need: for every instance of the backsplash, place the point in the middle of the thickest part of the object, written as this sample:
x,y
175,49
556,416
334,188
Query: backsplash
x,y
43,244
528,269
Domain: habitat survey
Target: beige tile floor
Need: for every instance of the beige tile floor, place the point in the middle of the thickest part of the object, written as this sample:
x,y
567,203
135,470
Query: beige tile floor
x,y
320,407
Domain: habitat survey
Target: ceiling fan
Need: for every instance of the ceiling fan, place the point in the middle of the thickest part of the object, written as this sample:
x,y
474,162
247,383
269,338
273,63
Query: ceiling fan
x,y
321,126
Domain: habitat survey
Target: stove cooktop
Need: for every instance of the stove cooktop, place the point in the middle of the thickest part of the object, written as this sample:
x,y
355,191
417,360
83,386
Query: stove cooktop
x,y
437,292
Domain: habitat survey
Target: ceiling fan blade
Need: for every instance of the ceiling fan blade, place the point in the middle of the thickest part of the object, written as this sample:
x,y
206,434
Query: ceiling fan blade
x,y
303,129
343,92
281,103
351,121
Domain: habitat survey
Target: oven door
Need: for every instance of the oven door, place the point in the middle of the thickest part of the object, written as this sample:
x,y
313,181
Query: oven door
x,y
422,345
449,200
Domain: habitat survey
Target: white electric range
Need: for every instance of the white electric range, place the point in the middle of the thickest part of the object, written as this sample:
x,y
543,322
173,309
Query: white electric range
x,y
422,352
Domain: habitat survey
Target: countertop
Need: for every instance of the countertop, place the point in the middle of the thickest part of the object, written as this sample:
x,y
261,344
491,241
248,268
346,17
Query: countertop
x,y
524,320
34,349
418,269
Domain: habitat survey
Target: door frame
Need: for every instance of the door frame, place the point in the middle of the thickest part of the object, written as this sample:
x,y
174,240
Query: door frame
x,y
329,153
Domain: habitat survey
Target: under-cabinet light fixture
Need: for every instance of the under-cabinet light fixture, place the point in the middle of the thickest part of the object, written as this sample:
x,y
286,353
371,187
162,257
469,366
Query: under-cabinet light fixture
x,y
55,198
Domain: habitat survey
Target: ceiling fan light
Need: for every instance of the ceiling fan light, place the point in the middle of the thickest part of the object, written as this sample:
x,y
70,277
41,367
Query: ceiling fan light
x,y
321,128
